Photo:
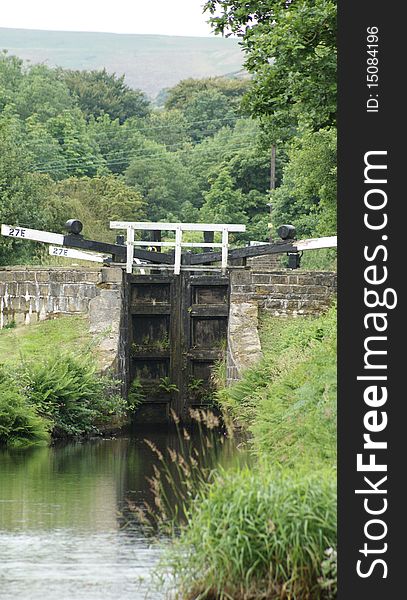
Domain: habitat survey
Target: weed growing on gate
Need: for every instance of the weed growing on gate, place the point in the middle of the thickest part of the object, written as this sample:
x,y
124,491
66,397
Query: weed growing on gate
x,y
165,385
135,395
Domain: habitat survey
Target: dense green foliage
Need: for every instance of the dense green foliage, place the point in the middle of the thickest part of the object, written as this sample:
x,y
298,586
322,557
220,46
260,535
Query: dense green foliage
x,y
258,534
291,52
53,393
20,425
85,145
100,93
307,195
68,391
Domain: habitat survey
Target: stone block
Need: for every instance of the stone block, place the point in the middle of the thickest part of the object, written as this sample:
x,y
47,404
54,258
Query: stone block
x,y
243,338
42,276
242,289
58,277
111,275
282,289
279,279
240,278
91,277
262,278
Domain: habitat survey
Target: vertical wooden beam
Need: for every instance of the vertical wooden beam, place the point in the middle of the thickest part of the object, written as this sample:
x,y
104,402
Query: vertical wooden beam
x,y
130,249
117,257
209,237
155,236
185,341
176,349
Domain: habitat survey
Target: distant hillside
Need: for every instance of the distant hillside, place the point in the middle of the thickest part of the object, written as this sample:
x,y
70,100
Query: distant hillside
x,y
150,62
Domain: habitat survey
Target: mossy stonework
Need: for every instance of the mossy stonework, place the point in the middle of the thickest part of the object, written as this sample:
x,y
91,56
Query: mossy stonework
x,y
282,293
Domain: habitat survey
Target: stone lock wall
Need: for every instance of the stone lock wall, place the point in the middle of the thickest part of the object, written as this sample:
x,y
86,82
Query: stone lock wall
x,y
34,294
31,294
282,293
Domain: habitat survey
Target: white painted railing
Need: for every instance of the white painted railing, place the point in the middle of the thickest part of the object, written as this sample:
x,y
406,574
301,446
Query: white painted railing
x,y
178,244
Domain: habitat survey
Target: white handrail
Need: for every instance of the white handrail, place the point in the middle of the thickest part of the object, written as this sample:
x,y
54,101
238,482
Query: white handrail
x,y
143,225
178,244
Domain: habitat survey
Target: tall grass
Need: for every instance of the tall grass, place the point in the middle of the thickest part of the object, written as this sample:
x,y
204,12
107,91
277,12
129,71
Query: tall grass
x,y
182,471
288,400
257,534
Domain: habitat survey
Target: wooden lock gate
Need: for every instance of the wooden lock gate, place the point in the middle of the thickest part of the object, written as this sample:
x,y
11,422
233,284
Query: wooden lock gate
x,y
177,333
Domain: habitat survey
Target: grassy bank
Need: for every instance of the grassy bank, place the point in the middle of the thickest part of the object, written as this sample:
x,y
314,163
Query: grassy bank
x,y
288,400
50,386
258,534
270,531
44,339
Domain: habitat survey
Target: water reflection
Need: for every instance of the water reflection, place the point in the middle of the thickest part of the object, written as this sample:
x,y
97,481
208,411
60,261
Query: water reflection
x,y
65,528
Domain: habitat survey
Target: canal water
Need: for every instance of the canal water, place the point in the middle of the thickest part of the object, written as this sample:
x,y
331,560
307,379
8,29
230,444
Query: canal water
x,y
66,529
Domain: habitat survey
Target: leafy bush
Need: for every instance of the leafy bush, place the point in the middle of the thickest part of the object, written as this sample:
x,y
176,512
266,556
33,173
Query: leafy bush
x,y
67,390
258,534
19,422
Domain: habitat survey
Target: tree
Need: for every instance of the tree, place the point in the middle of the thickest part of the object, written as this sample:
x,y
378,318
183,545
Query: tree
x,y
41,93
47,153
239,150
307,196
80,151
167,127
24,195
207,112
291,51
180,95
223,202
11,75
164,182
117,143
96,201
100,92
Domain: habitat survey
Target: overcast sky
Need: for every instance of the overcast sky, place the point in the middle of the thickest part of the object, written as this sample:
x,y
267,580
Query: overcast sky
x,y
169,17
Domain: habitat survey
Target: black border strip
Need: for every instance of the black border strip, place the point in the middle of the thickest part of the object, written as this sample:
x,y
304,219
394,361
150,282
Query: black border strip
x,y
360,132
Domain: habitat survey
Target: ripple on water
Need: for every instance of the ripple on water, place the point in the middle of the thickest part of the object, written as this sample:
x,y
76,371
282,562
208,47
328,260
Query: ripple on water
x,y
65,565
